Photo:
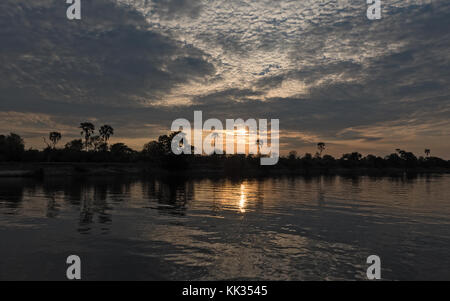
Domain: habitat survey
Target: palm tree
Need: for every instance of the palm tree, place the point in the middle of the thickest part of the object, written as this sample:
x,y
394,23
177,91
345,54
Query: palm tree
x,y
87,130
321,148
106,132
427,152
259,143
54,138
214,135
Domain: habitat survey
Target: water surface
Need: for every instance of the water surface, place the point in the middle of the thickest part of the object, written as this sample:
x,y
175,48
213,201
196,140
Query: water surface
x,y
301,228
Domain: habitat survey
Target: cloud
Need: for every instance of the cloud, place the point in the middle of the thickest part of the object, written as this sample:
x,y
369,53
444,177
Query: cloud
x,y
320,67
111,56
177,8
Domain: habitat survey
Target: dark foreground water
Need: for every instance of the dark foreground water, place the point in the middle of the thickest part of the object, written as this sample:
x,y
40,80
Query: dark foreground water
x,y
274,229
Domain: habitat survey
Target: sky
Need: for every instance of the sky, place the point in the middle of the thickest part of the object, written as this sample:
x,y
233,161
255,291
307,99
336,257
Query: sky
x,y
326,71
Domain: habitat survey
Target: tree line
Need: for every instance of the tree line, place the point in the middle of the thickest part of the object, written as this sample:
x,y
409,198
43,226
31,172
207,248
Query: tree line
x,y
95,147
91,147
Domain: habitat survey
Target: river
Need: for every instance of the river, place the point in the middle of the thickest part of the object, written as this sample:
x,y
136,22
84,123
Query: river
x,y
288,228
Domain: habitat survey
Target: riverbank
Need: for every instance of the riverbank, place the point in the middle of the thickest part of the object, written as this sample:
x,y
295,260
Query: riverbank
x,y
146,169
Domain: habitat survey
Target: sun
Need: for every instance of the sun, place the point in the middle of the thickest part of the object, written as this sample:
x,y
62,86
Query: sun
x,y
241,132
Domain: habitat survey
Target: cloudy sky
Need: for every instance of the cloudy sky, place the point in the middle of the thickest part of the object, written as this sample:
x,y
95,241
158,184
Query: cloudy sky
x,y
326,71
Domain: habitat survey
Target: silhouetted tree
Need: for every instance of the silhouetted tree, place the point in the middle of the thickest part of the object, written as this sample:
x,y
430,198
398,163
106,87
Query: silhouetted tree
x,y
355,156
121,152
97,143
106,131
54,138
307,161
292,155
259,143
214,135
120,148
87,130
427,152
166,144
371,161
394,160
12,147
351,160
410,160
327,159
321,148
153,149
75,145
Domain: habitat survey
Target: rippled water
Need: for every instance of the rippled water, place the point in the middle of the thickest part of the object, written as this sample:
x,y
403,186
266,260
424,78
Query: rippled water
x,y
272,229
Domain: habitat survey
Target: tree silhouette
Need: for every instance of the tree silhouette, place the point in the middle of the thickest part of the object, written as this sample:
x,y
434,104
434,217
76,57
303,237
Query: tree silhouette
x,y
215,135
355,156
106,132
97,143
166,144
54,138
120,148
321,148
292,155
87,130
153,150
427,152
74,145
121,151
12,147
259,143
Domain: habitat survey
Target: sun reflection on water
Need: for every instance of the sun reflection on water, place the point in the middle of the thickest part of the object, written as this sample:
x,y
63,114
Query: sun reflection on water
x,y
243,199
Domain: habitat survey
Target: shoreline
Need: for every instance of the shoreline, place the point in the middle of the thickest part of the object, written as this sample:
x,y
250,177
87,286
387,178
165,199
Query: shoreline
x,y
44,170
